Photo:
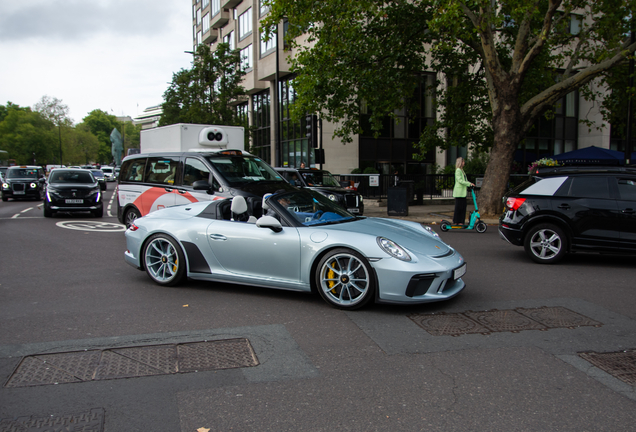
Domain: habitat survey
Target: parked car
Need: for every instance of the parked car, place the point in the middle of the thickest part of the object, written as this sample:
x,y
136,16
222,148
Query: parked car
x,y
73,190
109,173
572,209
99,175
23,181
325,183
301,241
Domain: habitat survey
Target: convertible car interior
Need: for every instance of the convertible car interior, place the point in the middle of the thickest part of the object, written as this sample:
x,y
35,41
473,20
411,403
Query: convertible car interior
x,y
237,209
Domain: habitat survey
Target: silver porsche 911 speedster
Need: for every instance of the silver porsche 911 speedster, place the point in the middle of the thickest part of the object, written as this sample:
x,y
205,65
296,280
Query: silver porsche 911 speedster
x,y
298,241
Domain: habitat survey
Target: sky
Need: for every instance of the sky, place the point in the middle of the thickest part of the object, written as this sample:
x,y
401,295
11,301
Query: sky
x,y
115,55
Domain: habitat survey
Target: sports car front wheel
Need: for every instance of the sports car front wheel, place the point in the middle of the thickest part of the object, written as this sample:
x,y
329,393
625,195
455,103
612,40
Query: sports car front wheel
x,y
345,279
164,260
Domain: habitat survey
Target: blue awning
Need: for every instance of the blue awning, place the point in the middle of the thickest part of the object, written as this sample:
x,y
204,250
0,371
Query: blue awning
x,y
592,156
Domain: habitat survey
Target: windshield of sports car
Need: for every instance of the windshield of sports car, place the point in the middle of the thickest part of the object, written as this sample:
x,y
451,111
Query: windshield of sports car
x,y
60,177
31,173
241,169
311,208
320,178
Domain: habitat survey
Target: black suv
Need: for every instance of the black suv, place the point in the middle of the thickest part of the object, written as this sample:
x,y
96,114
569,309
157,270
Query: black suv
x,y
73,190
572,209
325,183
23,182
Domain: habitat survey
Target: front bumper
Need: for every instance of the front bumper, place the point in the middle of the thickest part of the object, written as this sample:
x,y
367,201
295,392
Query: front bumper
x,y
401,282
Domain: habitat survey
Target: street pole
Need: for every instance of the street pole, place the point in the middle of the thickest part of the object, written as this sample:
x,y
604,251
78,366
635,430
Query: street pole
x,y
59,126
628,144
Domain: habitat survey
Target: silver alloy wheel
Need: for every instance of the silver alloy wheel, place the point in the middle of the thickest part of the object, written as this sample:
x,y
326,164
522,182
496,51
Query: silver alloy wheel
x,y
545,244
344,280
161,260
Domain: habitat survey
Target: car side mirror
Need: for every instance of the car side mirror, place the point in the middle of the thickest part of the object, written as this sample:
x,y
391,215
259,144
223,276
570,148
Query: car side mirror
x,y
269,222
201,185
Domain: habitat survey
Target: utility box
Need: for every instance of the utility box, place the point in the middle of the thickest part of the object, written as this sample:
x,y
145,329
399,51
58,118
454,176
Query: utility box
x,y
398,201
183,137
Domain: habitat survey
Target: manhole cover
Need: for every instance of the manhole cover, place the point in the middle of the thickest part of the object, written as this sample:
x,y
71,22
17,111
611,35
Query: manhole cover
x,y
511,320
621,364
448,324
132,362
89,421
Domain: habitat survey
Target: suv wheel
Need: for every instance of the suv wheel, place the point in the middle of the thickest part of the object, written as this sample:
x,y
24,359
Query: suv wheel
x,y
546,243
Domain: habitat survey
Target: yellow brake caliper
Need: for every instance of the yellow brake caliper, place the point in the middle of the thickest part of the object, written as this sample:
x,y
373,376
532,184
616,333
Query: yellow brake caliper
x,y
331,283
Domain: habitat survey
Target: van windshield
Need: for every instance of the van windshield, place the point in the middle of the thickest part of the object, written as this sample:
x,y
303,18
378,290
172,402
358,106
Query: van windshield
x,y
240,170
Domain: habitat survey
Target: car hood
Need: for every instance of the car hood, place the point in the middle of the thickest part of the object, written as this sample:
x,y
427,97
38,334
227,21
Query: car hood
x,y
332,189
409,235
66,186
261,188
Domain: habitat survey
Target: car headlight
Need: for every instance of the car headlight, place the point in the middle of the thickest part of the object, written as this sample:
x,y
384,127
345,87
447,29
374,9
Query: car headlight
x,y
429,230
332,197
5,185
33,185
393,249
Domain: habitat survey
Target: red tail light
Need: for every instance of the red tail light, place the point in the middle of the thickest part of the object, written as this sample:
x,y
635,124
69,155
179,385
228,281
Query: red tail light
x,y
133,227
514,203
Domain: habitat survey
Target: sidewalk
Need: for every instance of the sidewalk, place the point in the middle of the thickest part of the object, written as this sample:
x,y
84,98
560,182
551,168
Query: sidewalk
x,y
430,212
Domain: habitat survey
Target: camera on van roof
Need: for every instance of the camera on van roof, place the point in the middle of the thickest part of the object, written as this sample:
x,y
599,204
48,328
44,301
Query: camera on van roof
x,y
213,137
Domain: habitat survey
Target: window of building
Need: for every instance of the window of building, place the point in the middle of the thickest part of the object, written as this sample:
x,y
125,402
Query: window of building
x,y
198,17
293,135
206,23
245,24
267,47
216,7
261,108
552,136
263,8
246,58
199,38
229,39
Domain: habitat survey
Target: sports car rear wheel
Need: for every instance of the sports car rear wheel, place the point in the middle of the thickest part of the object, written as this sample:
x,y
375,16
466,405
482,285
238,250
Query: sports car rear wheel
x,y
345,279
164,260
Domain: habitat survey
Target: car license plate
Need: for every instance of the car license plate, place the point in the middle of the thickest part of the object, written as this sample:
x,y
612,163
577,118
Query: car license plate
x,y
18,192
459,272
74,201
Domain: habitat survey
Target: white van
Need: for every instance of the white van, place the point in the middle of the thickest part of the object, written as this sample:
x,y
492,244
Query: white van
x,y
109,173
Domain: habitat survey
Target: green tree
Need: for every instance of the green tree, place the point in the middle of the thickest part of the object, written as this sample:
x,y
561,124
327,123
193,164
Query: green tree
x,y
204,94
514,61
56,112
81,146
27,135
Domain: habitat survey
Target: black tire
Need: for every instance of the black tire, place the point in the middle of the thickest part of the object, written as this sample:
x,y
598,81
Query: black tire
x,y
98,213
345,279
163,260
546,244
445,225
47,212
131,215
481,227
4,198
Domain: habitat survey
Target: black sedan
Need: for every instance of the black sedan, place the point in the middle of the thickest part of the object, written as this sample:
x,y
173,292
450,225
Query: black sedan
x,y
23,182
73,190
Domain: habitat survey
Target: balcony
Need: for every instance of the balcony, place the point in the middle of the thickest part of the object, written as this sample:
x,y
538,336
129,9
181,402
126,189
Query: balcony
x,y
210,36
220,19
228,4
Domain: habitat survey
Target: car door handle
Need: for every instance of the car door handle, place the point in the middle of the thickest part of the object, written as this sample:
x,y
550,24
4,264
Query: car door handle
x,y
218,237
564,207
628,211
169,189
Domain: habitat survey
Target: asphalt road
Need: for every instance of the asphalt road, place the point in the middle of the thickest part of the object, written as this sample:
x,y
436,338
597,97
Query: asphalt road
x,y
64,287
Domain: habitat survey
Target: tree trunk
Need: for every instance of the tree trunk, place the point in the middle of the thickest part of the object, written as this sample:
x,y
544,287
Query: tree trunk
x,y
507,134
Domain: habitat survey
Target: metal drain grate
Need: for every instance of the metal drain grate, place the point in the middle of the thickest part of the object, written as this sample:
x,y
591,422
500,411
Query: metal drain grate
x,y
621,365
511,320
132,362
89,421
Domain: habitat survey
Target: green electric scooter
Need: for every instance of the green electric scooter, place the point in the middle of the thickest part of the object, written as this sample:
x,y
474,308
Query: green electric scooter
x,y
473,220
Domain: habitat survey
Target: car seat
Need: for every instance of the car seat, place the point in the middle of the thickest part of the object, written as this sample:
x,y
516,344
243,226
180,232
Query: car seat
x,y
239,210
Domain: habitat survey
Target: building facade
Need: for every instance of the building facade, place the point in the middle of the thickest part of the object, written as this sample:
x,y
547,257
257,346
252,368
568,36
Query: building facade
x,y
282,142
